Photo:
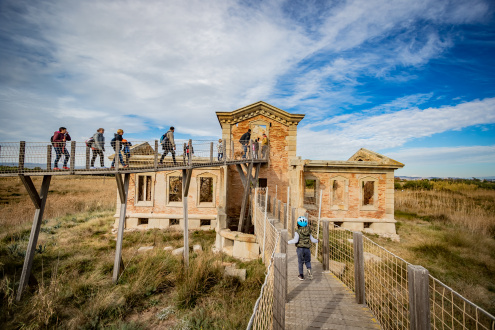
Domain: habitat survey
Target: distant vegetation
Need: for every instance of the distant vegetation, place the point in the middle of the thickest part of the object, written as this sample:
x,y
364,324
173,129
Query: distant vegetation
x,y
445,184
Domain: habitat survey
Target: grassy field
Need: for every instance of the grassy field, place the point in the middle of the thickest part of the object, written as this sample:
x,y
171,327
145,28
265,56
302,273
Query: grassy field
x,y
74,262
450,230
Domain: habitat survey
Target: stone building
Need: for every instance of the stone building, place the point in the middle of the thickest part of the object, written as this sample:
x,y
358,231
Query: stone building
x,y
356,194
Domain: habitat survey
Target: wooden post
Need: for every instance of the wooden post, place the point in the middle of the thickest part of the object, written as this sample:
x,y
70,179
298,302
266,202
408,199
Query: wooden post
x,y
186,180
116,159
268,202
39,201
211,152
88,156
72,157
274,209
232,154
279,290
293,222
49,157
22,156
325,253
184,155
155,159
285,216
359,267
318,225
245,197
189,160
224,150
123,188
264,223
284,238
287,209
419,304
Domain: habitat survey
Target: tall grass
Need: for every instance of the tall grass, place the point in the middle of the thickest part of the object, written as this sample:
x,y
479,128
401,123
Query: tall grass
x,y
472,209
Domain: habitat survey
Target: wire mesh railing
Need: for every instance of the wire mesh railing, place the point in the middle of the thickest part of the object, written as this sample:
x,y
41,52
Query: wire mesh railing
x,y
269,240
71,156
387,289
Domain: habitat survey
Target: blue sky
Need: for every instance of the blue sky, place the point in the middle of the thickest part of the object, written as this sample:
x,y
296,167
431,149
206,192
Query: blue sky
x,y
414,80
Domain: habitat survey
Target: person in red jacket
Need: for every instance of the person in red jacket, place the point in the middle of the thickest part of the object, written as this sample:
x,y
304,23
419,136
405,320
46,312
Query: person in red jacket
x,y
59,139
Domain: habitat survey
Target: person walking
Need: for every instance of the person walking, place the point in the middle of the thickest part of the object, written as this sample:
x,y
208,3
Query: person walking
x,y
264,145
220,149
245,138
59,139
98,148
303,240
117,137
168,145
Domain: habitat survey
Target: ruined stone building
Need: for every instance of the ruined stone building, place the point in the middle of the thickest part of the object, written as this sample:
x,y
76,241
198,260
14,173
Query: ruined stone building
x,y
355,194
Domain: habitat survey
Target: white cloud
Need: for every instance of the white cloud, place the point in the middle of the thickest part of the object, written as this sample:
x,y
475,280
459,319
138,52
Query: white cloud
x,y
446,155
389,130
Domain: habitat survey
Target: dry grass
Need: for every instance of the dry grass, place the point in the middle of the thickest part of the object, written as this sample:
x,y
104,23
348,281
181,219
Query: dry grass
x,y
74,264
471,209
67,195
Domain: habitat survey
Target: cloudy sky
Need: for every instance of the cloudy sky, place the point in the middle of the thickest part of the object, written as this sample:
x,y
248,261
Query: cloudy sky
x,y
414,80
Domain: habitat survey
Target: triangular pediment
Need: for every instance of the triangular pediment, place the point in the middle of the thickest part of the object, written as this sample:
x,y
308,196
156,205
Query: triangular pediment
x,y
365,155
259,108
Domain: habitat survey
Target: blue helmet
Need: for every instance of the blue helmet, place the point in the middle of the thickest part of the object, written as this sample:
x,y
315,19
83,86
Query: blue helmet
x,y
302,221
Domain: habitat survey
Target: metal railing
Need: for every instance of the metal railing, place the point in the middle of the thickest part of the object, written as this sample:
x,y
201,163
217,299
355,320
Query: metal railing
x,y
73,157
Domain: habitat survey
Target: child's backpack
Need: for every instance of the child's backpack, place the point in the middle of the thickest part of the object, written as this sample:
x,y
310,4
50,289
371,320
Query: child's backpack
x,y
90,142
51,140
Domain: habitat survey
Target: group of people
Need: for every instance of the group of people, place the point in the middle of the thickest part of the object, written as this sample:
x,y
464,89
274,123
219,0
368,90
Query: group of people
x,y
61,136
167,142
255,145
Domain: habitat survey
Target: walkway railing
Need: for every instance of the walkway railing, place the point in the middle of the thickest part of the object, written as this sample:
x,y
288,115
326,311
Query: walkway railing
x,y
33,158
400,295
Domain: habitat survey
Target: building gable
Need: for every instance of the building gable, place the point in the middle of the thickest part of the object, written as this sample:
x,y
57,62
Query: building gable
x,y
365,155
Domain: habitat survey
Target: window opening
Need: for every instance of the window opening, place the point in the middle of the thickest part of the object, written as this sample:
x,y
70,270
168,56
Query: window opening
x,y
174,222
368,192
206,190
142,221
262,182
310,191
144,188
205,222
175,189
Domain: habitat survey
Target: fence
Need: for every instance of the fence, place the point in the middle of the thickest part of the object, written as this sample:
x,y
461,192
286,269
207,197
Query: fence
x,y
39,157
400,295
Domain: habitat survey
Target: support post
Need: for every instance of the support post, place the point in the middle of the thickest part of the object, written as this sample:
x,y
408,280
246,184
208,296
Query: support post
x,y
279,209
287,210
224,152
241,174
155,159
116,159
123,188
318,228
274,210
359,267
264,223
245,197
325,252
72,157
22,156
49,157
268,202
285,216
232,154
292,222
211,152
186,180
189,160
418,297
39,203
279,290
88,156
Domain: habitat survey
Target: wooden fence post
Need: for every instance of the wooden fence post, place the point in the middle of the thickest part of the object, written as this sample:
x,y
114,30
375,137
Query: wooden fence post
x,y
279,217
22,156
189,160
224,152
279,290
284,238
72,157
325,252
419,304
293,222
116,159
285,216
359,267
232,154
88,155
211,152
155,159
49,157
274,209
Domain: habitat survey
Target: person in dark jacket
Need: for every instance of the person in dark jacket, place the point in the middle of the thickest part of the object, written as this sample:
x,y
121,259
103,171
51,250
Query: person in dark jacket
x,y
98,148
303,240
118,137
59,139
245,138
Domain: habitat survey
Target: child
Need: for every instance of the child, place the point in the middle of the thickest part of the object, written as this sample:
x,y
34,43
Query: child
x,y
220,149
303,240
